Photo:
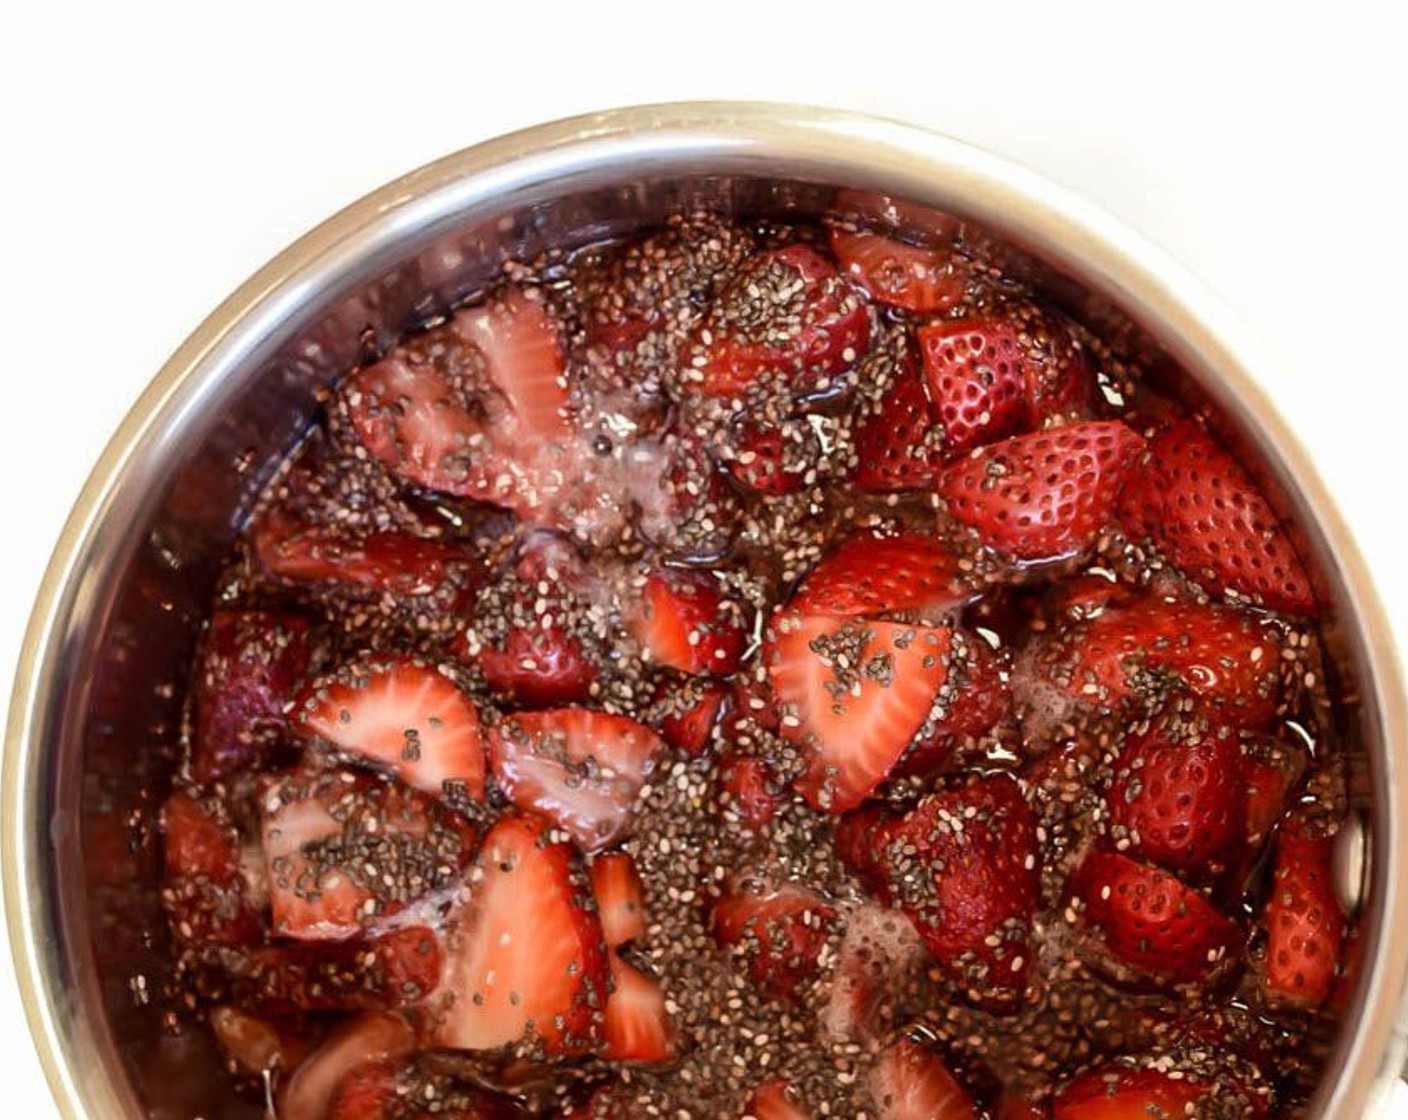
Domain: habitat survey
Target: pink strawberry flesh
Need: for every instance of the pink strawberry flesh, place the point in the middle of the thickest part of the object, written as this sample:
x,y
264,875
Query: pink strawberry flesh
x,y
900,275
909,1081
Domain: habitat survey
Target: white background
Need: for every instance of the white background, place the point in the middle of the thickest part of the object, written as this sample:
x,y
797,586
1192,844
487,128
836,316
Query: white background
x,y
151,160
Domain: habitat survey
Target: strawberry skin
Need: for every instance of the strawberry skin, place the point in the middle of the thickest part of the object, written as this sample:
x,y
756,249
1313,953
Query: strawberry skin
x,y
975,700
899,275
395,969
750,791
1046,495
394,1091
687,623
373,1037
1203,511
1118,1093
774,1100
909,573
1305,924
688,713
776,932
911,1082
1162,930
772,458
893,432
1273,769
204,893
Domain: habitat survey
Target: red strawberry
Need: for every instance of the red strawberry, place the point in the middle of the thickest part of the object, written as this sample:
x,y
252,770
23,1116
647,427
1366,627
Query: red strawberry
x,y
637,1028
696,509
749,791
1202,510
519,343
395,969
395,1091
345,851
1273,770
963,865
893,433
974,700
376,1037
687,713
1305,924
1181,806
400,715
774,1100
251,666
252,1044
205,893
527,967
581,768
687,622
1015,1106
911,1082
1154,925
776,932
773,458
910,573
1120,1093
853,694
785,315
538,667
1043,495
900,275
620,898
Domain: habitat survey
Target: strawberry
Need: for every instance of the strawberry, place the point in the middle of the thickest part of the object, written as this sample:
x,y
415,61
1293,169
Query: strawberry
x,y
893,432
687,713
205,893
397,1091
879,951
374,1037
772,458
637,1027
395,969
774,1100
695,510
1015,1106
526,967
400,715
1120,1093
1273,770
252,664
518,341
974,701
749,791
1045,495
909,1081
900,275
1181,806
963,866
686,622
1152,924
776,932
786,315
853,694
620,898
346,850
581,768
1305,924
907,574
1201,509
251,1044
538,667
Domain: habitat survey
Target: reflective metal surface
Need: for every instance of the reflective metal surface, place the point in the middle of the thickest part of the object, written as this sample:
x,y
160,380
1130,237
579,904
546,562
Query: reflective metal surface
x,y
95,709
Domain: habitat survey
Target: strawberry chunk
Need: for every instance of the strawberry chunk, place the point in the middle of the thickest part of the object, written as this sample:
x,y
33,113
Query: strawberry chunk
x,y
205,894
686,622
777,933
750,791
1119,1093
581,768
774,1100
785,317
1201,508
974,701
391,970
400,1091
252,665
637,1027
688,713
253,1045
880,950
853,694
527,966
963,866
1273,770
345,851
773,458
620,898
1152,924
1045,495
894,431
910,573
1305,924
402,716
375,1037
1181,806
900,275
911,1082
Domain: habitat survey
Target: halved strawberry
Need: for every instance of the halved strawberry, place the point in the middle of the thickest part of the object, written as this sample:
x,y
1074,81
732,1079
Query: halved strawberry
x,y
252,664
773,458
686,621
688,712
1305,924
518,340
346,850
777,932
1119,1093
774,1100
893,433
637,1027
900,275
374,1037
395,969
786,316
1201,508
581,768
963,866
1273,769
527,966
1157,927
750,791
403,716
974,701
620,898
910,573
205,895
1180,805
853,694
909,1081
1045,495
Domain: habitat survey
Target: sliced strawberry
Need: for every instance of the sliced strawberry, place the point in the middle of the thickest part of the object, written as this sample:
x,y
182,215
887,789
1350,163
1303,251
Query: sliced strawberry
x,y
527,966
253,1044
376,1037
687,622
1181,806
1120,1093
696,510
581,768
620,898
773,458
911,1082
391,970
403,716
853,694
403,1091
777,933
787,316
637,1027
900,275
875,576
252,665
750,791
1154,925
1015,1106
519,342
206,897
894,433
1305,924
346,850
1044,495
963,866
198,846
1273,770
687,713
1202,510
775,1100
974,700
880,950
